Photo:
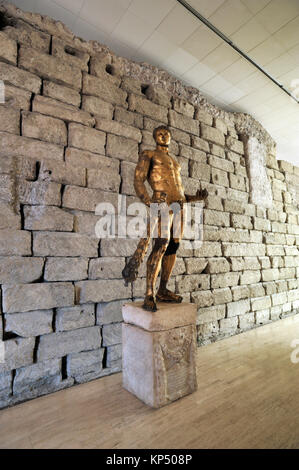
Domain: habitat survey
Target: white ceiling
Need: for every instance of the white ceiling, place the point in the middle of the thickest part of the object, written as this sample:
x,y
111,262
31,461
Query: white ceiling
x,y
164,33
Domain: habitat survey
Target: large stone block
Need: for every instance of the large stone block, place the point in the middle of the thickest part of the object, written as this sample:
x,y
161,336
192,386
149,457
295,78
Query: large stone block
x,y
183,122
102,291
242,221
220,177
39,193
195,265
202,298
159,345
222,296
250,277
192,283
19,78
14,145
61,93
183,107
235,145
104,89
17,97
83,159
72,318
241,249
25,34
66,112
15,242
29,297
29,324
85,362
238,308
97,107
69,54
62,172
108,178
208,249
66,269
261,303
200,144
203,116
45,128
85,222
158,95
64,244
112,334
122,148
200,171
210,314
146,107
36,376
222,219
212,135
106,268
9,119
110,312
224,280
68,342
8,49
10,217
221,163
87,139
86,199
128,117
48,218
17,269
18,352
193,154
114,355
117,128
49,67
218,265
229,326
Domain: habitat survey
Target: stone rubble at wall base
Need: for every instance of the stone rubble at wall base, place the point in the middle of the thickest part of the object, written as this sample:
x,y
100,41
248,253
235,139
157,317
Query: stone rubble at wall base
x,y
75,118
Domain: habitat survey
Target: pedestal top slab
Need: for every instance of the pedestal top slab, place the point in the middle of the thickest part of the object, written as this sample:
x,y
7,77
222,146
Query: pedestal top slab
x,y
168,315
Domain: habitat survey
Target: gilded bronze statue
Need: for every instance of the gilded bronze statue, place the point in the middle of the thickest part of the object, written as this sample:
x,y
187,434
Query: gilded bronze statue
x,y
162,172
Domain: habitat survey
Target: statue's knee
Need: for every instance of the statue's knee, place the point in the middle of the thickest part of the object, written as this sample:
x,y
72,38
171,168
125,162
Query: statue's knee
x,y
173,246
162,244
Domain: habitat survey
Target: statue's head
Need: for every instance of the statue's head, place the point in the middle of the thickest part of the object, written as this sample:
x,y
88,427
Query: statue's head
x,y
162,136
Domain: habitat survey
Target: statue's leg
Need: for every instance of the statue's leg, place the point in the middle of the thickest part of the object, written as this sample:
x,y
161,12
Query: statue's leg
x,y
155,259
153,269
168,262
130,271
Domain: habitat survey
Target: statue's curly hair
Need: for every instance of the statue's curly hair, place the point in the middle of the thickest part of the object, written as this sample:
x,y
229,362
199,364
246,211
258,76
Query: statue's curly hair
x,y
159,129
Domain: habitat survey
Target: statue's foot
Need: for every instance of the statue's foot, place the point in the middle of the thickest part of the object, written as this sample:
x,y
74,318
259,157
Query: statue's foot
x,y
149,304
168,296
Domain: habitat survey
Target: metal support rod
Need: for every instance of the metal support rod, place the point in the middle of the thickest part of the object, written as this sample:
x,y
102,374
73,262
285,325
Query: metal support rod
x,y
231,44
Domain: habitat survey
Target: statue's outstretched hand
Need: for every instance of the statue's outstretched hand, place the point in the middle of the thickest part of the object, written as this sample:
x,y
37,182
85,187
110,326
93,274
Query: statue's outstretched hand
x,y
202,194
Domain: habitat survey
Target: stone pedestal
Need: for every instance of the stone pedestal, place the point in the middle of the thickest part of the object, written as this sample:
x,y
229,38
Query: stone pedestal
x,y
159,352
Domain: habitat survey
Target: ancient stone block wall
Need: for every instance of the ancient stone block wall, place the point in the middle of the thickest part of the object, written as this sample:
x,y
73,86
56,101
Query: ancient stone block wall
x,y
74,120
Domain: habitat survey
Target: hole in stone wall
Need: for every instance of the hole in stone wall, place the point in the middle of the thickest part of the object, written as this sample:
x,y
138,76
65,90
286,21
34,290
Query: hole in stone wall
x,y
64,368
5,21
144,89
69,50
110,69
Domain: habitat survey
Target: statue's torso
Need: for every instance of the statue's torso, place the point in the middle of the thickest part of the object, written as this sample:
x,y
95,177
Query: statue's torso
x,y
165,176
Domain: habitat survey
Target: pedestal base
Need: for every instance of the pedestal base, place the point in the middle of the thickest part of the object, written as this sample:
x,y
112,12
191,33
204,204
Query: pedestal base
x,y
159,351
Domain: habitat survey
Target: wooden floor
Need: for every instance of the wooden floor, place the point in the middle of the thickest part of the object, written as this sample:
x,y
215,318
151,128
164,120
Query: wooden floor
x,y
248,397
